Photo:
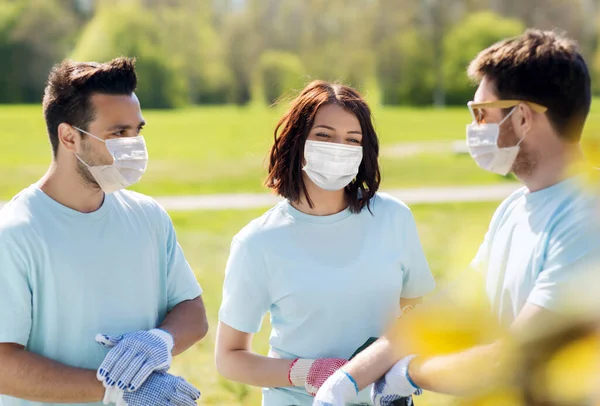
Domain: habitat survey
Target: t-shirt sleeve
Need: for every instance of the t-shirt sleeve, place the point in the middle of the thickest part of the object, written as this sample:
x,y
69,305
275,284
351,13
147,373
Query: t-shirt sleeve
x,y
15,292
417,280
182,284
246,296
573,251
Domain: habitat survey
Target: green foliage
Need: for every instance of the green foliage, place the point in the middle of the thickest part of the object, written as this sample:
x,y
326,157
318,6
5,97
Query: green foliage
x,y
127,29
9,86
405,70
468,37
279,73
243,46
596,72
411,52
34,34
190,41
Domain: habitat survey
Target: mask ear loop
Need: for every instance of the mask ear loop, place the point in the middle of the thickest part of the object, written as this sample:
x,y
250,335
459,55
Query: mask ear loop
x,y
81,160
504,119
521,140
91,135
507,116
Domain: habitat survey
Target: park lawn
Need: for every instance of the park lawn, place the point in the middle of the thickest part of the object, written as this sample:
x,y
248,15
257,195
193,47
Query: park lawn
x,y
450,234
200,150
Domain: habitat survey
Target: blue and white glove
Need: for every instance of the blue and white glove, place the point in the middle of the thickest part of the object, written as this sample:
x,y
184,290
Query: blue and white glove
x,y
339,389
161,389
132,358
395,385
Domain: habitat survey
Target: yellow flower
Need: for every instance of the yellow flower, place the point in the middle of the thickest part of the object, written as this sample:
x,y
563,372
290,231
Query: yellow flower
x,y
571,374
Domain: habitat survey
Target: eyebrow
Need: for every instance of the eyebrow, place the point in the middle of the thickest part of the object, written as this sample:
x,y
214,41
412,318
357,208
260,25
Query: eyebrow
x,y
333,129
125,126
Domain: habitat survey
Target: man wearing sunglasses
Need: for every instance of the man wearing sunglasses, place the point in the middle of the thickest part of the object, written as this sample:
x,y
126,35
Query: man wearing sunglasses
x,y
528,114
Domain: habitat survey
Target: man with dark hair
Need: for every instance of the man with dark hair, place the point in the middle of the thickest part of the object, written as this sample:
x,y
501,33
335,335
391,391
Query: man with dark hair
x,y
528,115
83,260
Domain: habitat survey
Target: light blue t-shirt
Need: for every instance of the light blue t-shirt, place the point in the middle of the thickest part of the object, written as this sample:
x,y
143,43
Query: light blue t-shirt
x,y
329,282
66,276
536,244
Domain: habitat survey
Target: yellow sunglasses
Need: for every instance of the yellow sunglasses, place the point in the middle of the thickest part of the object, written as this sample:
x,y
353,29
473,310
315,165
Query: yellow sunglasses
x,y
477,112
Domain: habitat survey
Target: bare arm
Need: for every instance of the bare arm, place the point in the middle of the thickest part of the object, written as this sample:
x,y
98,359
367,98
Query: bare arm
x,y
187,323
453,373
371,364
462,373
236,362
482,366
29,376
375,361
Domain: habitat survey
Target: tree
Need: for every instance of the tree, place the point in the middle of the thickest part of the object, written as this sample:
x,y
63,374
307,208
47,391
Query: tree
x,y
468,37
596,72
243,48
337,41
130,30
405,71
188,38
279,73
34,34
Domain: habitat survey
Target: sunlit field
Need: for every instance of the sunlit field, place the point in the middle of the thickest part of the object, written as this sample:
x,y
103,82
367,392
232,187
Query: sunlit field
x,y
203,150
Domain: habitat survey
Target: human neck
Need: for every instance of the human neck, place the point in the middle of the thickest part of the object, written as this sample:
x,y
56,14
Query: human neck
x,y
66,186
324,202
554,168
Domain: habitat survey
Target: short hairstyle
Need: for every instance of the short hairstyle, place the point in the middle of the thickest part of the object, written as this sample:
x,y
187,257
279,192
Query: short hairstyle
x,y
287,152
70,87
542,67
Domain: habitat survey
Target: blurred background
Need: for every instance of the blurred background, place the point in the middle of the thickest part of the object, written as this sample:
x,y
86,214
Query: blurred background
x,y
409,52
214,77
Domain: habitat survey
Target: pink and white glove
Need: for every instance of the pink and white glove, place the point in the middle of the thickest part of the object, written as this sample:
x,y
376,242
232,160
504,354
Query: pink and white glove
x,y
312,373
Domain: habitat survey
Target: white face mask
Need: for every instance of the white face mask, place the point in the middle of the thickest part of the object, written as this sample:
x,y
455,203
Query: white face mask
x,y
331,166
130,158
482,142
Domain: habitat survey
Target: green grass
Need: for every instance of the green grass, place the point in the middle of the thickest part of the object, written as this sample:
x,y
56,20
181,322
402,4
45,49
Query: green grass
x,y
450,234
223,149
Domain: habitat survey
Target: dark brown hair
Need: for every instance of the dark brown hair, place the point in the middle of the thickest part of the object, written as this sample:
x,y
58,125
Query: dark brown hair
x,y
542,67
71,84
287,153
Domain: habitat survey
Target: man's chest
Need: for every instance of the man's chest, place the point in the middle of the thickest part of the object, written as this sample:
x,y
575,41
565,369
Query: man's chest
x,y
106,262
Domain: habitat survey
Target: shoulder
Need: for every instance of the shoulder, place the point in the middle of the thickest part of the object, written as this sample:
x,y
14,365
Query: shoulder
x,y
264,227
384,203
507,205
579,209
129,200
148,212
136,199
514,197
20,211
19,214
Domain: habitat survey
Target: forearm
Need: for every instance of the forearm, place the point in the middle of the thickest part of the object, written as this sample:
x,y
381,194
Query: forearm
x,y
463,373
371,364
253,369
187,323
485,366
31,377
